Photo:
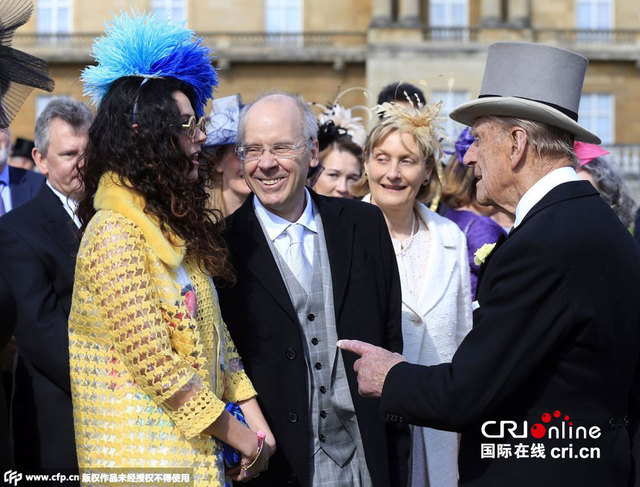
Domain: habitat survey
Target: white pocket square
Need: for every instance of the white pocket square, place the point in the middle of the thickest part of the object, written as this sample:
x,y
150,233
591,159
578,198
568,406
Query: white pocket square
x,y
475,305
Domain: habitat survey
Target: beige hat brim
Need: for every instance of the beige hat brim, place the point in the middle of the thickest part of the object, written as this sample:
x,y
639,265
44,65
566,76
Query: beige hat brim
x,y
468,112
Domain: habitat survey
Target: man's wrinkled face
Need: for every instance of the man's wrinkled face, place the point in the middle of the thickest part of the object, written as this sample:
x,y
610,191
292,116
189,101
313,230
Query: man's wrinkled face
x,y
489,157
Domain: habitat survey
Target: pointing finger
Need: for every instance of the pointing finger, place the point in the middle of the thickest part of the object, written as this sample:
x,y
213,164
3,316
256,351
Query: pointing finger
x,y
356,346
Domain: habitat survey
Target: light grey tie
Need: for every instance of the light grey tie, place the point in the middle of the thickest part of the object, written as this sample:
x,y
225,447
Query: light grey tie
x,y
2,208
295,255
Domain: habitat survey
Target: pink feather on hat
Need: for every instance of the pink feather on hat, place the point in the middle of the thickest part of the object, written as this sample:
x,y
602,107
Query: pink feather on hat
x,y
587,152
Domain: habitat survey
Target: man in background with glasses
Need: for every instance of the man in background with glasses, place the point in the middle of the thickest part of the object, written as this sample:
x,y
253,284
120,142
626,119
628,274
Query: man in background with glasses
x,y
310,270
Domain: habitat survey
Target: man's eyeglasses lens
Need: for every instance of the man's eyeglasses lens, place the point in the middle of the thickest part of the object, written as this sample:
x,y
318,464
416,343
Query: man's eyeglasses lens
x,y
253,152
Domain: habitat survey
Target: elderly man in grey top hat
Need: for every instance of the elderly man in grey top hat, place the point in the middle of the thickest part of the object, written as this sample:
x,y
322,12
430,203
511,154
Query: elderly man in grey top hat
x,y
545,387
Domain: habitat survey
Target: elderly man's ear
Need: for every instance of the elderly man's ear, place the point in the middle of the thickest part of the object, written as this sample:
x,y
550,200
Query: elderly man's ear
x,y
315,152
518,139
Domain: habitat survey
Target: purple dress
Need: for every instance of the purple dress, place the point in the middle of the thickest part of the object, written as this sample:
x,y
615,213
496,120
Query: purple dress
x,y
479,230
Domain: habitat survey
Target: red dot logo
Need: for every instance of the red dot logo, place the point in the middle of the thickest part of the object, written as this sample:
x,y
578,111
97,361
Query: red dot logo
x,y
546,417
556,414
538,430
566,418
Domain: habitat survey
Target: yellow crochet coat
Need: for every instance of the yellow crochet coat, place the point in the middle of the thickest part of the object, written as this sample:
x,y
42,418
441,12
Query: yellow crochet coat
x,y
150,368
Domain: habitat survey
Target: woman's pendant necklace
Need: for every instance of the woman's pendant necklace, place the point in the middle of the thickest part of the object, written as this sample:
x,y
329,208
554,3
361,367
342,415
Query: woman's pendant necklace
x,y
406,243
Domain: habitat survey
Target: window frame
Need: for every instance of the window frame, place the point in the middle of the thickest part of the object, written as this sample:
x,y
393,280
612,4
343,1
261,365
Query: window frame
x,y
589,119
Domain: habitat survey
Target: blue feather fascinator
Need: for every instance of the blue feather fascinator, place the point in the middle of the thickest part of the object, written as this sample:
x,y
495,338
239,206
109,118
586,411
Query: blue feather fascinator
x,y
149,46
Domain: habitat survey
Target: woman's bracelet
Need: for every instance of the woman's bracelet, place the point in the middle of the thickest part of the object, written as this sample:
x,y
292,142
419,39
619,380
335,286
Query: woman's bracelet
x,y
261,436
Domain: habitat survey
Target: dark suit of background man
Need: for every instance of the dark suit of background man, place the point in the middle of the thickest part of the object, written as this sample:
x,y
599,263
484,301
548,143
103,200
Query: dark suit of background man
x,y
20,74
555,343
39,244
285,314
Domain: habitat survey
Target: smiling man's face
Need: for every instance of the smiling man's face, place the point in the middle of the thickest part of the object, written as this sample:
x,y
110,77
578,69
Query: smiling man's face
x,y
278,182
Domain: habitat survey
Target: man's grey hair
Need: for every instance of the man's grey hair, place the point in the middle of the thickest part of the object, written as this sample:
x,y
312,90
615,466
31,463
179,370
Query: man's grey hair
x,y
546,141
612,188
75,113
309,128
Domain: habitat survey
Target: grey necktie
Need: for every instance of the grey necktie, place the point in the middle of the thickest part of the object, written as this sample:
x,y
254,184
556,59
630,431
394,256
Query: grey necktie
x,y
295,255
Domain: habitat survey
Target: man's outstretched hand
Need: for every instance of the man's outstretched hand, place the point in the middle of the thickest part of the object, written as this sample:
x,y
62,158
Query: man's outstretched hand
x,y
372,367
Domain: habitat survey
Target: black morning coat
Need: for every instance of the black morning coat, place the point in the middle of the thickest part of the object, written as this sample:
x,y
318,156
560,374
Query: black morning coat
x,y
557,329
39,245
265,329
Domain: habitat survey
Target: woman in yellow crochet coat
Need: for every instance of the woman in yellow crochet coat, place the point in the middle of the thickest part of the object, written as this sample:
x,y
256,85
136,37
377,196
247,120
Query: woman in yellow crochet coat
x,y
152,363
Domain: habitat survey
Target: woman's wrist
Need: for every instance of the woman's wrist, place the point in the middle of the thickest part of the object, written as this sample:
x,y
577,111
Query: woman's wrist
x,y
246,465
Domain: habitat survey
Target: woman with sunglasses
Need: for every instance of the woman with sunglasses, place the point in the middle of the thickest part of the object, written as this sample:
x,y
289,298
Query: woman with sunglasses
x,y
152,363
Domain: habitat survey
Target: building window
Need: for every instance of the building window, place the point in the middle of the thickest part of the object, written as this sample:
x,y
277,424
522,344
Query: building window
x,y
594,15
448,19
450,99
174,10
597,115
54,16
283,16
43,100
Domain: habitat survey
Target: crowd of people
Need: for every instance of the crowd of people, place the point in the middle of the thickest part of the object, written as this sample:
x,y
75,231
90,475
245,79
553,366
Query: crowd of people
x,y
284,293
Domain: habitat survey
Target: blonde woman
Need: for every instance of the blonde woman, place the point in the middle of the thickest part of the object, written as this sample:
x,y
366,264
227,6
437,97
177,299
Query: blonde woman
x,y
401,154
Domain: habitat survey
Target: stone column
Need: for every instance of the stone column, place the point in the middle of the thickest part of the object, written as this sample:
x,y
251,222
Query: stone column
x,y
381,13
518,13
409,13
490,14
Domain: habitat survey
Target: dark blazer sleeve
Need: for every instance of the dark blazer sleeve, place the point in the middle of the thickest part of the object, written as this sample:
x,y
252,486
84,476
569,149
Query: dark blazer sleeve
x,y
514,331
42,322
634,426
397,434
8,314
393,321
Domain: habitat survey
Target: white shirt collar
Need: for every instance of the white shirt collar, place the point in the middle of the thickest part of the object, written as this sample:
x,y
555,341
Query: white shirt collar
x,y
540,189
275,225
70,205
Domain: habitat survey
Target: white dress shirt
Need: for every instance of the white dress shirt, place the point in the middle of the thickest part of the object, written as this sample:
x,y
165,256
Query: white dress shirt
x,y
70,205
541,188
276,227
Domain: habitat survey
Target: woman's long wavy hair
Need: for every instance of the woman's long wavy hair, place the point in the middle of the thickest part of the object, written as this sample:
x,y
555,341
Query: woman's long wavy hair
x,y
148,160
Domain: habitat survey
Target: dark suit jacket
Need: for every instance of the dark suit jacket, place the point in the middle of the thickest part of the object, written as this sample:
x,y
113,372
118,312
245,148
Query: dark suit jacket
x,y
24,185
39,244
558,329
265,329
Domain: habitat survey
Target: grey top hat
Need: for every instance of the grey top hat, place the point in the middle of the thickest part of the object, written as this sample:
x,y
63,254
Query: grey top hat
x,y
531,81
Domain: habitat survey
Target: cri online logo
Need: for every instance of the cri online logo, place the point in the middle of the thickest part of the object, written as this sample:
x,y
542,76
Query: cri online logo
x,y
499,429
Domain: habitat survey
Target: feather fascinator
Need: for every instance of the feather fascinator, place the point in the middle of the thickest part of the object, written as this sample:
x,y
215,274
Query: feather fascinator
x,y
421,121
149,46
463,142
335,120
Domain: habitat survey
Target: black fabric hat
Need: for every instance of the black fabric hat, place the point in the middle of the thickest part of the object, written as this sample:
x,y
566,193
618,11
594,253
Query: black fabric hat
x,y
22,147
20,73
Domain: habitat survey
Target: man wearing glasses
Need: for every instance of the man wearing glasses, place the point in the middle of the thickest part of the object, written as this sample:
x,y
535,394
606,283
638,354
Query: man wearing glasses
x,y
310,270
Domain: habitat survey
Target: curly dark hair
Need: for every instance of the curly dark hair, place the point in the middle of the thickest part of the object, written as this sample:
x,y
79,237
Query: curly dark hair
x,y
149,160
